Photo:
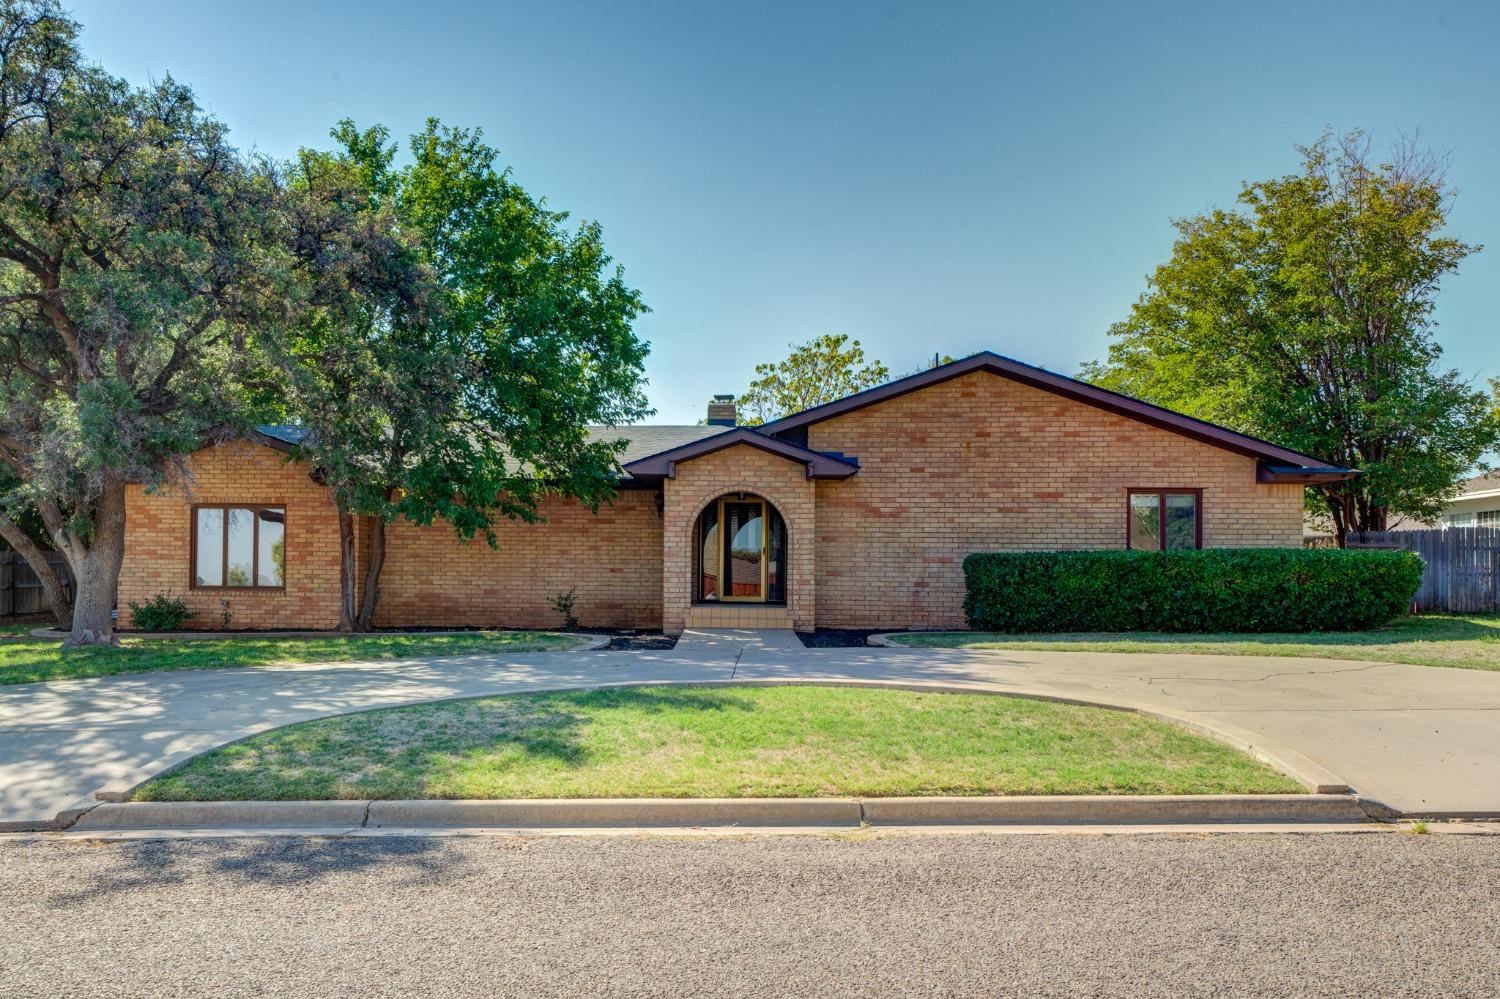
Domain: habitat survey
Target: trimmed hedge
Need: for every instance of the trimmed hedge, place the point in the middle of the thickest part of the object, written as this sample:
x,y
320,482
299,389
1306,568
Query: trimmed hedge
x,y
1213,590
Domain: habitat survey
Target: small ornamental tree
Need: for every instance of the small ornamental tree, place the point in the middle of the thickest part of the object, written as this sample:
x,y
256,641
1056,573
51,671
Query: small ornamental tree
x,y
461,341
132,261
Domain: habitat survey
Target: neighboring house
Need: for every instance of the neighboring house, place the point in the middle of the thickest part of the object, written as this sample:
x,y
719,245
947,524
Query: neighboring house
x,y
856,514
1477,506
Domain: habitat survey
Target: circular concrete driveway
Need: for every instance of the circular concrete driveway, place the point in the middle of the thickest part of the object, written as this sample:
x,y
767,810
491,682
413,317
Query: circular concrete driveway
x,y
1421,740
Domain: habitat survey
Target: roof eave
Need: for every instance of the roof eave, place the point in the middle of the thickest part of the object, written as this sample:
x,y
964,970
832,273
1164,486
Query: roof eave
x,y
663,465
1310,475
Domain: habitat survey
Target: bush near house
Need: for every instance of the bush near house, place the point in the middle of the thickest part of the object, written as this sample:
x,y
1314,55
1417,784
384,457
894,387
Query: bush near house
x,y
162,612
1213,590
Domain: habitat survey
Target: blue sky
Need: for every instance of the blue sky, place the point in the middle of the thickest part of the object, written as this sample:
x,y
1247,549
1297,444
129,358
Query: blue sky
x,y
922,176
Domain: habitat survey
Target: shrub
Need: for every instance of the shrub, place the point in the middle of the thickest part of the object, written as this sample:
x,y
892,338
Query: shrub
x,y
563,604
1219,589
160,613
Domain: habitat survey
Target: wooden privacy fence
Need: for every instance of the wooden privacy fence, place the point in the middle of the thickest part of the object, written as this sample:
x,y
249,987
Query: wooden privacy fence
x,y
1463,565
20,591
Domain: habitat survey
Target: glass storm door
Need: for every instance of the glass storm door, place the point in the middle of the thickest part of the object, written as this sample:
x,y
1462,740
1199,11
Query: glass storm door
x,y
742,526
739,551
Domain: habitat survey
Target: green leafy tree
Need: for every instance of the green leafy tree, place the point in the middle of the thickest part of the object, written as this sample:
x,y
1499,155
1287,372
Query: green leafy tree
x,y
1305,317
825,368
132,264
461,341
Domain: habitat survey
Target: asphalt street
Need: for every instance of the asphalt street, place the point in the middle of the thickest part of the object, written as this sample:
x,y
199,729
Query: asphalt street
x,y
947,914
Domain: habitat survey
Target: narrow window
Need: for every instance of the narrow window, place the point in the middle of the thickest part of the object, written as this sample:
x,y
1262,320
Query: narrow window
x,y
239,547
1164,519
271,554
210,544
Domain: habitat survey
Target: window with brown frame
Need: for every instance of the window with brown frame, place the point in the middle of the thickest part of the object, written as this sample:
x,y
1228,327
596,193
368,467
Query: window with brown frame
x,y
1164,519
239,547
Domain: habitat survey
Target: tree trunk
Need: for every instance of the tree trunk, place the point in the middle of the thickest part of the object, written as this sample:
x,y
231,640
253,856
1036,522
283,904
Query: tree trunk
x,y
372,576
52,587
1339,509
96,569
346,571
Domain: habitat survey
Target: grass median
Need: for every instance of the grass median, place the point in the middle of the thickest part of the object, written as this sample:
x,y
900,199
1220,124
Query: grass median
x,y
710,741
31,660
1452,640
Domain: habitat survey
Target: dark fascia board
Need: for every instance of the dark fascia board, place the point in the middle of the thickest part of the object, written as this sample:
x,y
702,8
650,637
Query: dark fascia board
x,y
275,443
819,466
1072,388
1307,475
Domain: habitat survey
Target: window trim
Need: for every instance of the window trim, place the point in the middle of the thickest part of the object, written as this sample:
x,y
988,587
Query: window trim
x,y
255,583
1162,493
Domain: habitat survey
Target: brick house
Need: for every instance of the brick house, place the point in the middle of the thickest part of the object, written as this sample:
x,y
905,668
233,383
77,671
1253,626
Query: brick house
x,y
855,514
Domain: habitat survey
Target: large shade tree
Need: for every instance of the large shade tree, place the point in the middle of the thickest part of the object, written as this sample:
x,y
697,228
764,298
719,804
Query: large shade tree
x,y
823,369
461,341
132,262
1306,316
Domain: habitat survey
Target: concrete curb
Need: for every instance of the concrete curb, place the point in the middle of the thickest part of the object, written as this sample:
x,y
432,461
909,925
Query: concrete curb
x,y
1116,809
209,814
638,813
630,812
591,642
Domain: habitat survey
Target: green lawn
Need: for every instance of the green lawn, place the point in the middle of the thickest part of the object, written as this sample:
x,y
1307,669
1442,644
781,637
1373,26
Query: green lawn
x,y
1460,641
702,741
26,661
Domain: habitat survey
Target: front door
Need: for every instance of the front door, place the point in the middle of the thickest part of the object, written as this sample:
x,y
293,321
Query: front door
x,y
742,526
739,551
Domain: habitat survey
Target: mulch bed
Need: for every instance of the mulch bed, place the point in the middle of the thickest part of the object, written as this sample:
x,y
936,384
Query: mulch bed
x,y
838,638
633,639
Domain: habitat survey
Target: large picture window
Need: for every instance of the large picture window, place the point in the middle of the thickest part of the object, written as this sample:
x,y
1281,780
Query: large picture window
x,y
1164,519
239,547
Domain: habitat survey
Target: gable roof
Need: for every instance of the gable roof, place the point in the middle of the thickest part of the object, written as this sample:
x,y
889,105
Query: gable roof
x,y
819,464
1278,464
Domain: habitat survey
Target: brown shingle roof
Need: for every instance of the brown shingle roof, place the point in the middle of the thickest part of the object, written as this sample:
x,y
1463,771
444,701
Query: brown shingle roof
x,y
1481,483
645,440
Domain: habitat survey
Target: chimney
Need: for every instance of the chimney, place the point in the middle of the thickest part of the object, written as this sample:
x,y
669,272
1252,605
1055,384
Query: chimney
x,y
721,411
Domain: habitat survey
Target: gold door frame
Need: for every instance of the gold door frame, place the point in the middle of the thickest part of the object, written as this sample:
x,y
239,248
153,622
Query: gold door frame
x,y
726,542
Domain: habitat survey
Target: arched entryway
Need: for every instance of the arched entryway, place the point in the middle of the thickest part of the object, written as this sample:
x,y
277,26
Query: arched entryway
x,y
740,551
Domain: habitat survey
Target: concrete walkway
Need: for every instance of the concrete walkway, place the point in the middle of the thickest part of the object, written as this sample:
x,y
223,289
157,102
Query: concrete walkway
x,y
1423,740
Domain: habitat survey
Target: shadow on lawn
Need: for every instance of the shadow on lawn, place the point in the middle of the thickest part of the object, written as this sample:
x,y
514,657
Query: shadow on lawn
x,y
392,752
551,725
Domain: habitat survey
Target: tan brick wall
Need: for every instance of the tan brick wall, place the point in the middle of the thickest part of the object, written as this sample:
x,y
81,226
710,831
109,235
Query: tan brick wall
x,y
984,463
431,577
738,469
158,538
612,560
978,463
